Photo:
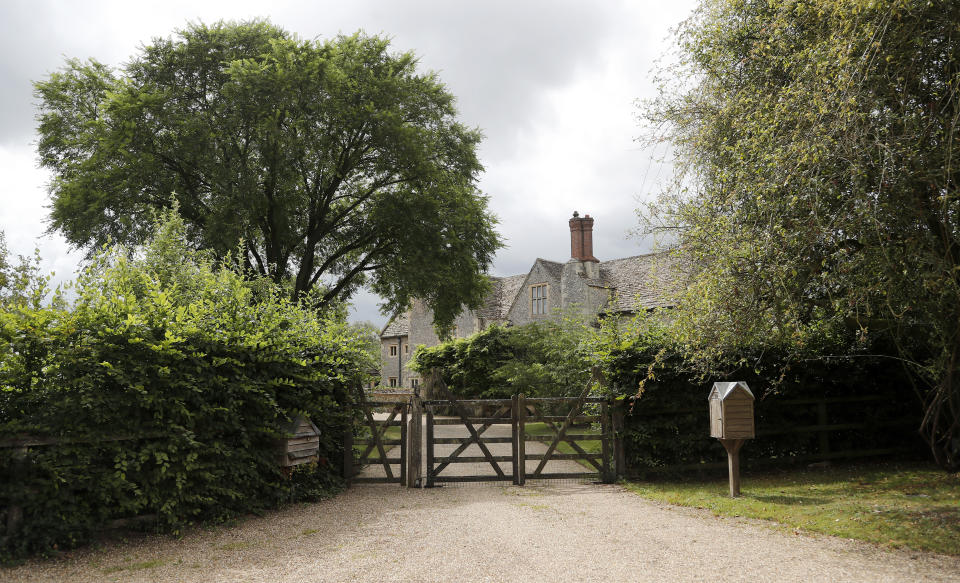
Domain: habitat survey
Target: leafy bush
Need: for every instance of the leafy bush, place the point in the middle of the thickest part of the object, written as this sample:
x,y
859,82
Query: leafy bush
x,y
166,382
542,359
665,393
667,421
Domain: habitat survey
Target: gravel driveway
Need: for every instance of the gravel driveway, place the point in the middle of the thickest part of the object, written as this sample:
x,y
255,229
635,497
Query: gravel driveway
x,y
491,532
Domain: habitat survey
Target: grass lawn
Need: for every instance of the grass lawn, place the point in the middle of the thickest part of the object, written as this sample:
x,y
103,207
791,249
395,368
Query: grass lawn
x,y
392,433
914,506
592,446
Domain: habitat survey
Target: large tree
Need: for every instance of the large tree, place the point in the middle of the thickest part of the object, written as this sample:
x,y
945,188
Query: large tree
x,y
334,163
817,186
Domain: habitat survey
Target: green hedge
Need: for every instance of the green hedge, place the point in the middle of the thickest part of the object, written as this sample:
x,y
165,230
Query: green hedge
x,y
167,381
542,359
669,424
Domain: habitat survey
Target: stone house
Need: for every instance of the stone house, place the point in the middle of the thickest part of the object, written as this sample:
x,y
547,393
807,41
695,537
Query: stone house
x,y
583,284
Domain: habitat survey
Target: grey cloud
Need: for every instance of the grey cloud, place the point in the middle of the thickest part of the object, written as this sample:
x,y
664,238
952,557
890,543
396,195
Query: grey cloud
x,y
503,60
498,58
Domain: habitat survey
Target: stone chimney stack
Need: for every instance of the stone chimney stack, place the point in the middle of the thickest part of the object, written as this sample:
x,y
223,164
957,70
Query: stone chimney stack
x,y
581,238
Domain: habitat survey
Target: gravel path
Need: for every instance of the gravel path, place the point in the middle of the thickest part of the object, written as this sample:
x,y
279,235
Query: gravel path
x,y
491,532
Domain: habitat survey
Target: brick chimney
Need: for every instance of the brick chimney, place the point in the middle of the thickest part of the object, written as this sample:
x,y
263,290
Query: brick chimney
x,y
581,238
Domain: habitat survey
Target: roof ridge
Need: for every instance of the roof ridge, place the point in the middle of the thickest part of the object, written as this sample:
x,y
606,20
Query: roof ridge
x,y
637,256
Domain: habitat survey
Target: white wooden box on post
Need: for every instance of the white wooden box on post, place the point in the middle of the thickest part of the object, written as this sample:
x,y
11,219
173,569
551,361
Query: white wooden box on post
x,y
731,411
731,421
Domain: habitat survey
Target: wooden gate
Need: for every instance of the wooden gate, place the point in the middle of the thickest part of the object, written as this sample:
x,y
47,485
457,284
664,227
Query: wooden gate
x,y
478,416
495,412
566,429
368,444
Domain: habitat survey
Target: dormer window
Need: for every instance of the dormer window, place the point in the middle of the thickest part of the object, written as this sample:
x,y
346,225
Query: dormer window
x,y
538,299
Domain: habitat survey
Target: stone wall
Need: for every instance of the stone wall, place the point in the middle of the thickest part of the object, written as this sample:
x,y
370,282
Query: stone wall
x,y
395,366
581,290
421,333
520,311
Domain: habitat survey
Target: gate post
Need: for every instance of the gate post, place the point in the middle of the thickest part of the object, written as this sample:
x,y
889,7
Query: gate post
x,y
521,456
514,418
414,442
429,447
404,470
606,434
619,454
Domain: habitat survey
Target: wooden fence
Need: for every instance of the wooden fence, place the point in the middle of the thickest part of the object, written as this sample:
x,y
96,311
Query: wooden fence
x,y
823,429
18,471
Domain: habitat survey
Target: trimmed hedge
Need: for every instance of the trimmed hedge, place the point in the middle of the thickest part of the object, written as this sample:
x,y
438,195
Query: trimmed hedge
x,y
669,424
542,359
167,383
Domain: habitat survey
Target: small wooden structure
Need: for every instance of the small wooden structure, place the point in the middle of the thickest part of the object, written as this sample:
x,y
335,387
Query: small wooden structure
x,y
302,445
731,411
731,421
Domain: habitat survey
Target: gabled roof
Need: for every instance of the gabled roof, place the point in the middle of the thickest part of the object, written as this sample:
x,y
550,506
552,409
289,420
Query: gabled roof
x,y
648,281
644,281
399,325
724,389
501,297
553,268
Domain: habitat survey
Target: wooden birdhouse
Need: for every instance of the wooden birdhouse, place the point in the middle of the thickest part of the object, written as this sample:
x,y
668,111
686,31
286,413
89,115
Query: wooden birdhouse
x,y
302,444
731,411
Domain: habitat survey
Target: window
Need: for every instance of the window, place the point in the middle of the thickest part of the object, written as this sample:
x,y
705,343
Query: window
x,y
393,381
538,299
393,350
414,383
406,349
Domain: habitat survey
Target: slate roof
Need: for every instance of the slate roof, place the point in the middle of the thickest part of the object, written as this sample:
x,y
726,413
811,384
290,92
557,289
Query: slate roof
x,y
498,303
399,325
648,280
553,268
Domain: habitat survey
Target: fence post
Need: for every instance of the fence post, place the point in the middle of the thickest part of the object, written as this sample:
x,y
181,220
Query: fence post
x,y
14,510
822,422
414,442
429,447
521,440
619,455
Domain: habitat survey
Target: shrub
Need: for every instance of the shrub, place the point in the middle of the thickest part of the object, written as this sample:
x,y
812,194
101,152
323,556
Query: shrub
x,y
166,383
667,421
542,359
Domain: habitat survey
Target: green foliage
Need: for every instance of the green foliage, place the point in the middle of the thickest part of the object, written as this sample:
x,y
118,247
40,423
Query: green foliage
x,y
21,283
330,163
816,190
543,359
667,421
167,383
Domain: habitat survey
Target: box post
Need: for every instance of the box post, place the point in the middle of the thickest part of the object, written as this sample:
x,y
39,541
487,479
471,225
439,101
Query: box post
x,y
732,422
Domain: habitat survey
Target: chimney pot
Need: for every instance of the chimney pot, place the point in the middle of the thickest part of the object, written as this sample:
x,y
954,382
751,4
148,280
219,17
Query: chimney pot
x,y
581,238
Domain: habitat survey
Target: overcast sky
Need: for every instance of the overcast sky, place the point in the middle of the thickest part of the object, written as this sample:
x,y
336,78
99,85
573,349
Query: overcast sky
x,y
552,85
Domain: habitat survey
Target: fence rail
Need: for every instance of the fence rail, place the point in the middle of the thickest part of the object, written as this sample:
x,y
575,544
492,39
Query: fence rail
x,y
822,428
